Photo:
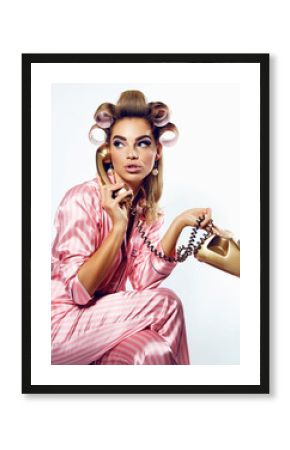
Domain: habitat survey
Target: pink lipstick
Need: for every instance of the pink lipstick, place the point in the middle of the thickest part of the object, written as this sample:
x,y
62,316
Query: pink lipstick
x,y
133,168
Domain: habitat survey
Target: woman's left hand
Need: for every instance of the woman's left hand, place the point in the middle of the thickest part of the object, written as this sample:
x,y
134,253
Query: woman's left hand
x,y
189,217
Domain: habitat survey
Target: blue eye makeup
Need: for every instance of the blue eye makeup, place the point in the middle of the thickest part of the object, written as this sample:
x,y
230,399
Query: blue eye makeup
x,y
117,143
144,143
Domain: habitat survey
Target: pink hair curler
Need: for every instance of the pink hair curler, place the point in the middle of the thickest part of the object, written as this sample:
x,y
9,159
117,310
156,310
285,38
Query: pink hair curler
x,y
104,119
168,138
97,135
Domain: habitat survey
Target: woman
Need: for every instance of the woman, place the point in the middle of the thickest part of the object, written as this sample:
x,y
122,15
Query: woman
x,y
98,247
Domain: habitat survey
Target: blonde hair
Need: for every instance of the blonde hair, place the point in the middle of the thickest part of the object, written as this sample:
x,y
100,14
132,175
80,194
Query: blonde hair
x,y
132,103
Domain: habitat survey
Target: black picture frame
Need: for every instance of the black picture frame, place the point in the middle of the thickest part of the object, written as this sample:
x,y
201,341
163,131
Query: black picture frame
x,y
263,60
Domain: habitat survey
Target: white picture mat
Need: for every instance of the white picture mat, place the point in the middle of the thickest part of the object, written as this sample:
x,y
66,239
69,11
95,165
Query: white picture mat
x,y
247,77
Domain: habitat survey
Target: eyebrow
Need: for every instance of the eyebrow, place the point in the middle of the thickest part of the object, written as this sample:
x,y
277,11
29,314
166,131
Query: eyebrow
x,y
137,139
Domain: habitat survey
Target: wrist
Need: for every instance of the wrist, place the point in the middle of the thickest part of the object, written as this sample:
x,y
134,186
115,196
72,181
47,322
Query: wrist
x,y
178,224
119,227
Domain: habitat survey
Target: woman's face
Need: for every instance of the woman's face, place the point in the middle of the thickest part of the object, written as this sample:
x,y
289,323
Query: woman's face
x,y
133,150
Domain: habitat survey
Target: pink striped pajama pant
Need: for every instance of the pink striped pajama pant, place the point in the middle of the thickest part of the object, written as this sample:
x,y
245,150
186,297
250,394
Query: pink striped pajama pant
x,y
127,327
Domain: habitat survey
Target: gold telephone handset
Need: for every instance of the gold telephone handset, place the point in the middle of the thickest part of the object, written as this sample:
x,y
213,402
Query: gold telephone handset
x,y
103,163
222,252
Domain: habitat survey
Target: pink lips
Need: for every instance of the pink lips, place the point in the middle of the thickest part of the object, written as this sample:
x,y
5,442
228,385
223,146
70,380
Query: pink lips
x,y
132,168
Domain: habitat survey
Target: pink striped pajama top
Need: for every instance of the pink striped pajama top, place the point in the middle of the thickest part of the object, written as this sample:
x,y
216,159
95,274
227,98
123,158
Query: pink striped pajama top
x,y
114,326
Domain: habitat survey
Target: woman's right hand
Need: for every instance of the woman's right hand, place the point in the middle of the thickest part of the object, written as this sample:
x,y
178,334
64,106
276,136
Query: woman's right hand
x,y
117,212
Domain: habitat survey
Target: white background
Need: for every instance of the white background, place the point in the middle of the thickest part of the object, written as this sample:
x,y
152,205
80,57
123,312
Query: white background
x,y
205,421
202,169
